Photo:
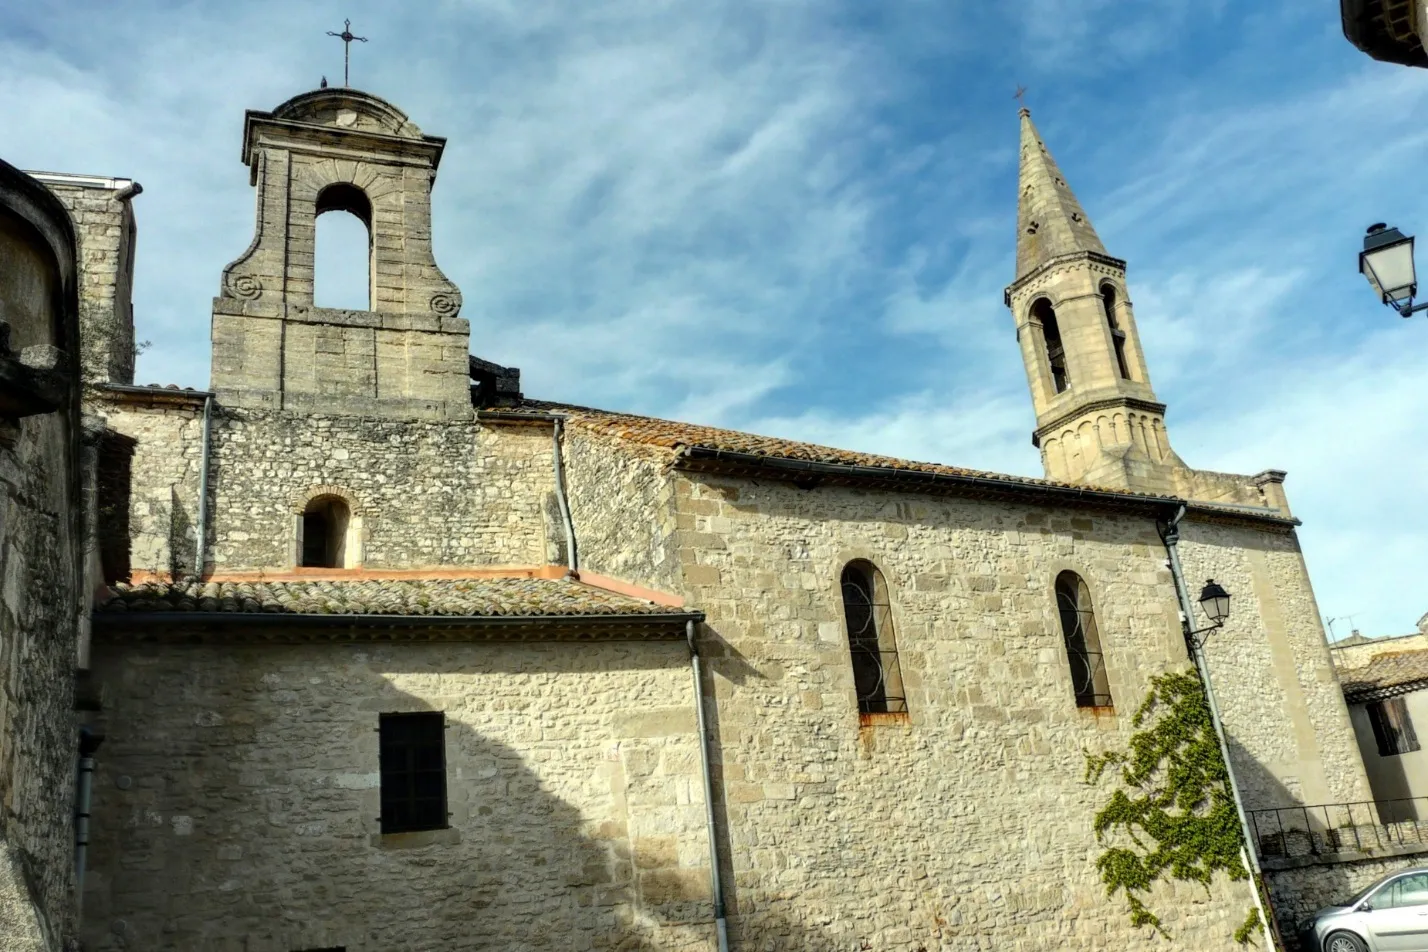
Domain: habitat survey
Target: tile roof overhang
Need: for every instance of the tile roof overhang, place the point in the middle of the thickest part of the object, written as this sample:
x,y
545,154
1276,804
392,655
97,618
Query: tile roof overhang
x,y
367,607
1386,676
704,449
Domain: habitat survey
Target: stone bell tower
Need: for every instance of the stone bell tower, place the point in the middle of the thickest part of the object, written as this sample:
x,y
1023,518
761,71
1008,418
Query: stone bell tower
x,y
406,356
1098,421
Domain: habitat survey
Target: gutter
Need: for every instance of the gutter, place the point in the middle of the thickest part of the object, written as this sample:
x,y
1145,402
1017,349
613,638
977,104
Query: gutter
x,y
716,886
147,620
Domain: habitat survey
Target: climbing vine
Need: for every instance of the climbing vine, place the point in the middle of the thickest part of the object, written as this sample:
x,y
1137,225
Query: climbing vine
x,y
1173,804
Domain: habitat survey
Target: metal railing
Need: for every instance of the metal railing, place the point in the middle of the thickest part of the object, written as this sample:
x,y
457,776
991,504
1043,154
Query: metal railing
x,y
1325,828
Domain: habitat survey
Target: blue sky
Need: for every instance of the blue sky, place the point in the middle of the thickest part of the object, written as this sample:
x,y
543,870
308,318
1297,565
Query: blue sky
x,y
797,217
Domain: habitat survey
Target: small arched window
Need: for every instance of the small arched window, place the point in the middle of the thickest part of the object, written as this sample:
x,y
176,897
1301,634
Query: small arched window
x,y
1083,641
1044,313
324,533
1118,336
868,611
342,249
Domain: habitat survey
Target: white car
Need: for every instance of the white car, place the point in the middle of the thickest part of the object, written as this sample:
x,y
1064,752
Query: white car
x,y
1389,916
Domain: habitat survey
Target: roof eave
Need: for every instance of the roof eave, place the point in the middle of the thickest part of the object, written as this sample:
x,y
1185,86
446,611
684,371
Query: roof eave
x,y
811,473
279,627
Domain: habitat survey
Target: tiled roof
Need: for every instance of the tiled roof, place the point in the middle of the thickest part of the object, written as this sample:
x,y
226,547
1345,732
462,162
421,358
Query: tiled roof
x,y
674,436
473,597
1386,675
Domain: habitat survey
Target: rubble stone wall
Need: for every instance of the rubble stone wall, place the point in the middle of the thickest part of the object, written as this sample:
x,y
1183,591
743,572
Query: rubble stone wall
x,y
41,585
106,235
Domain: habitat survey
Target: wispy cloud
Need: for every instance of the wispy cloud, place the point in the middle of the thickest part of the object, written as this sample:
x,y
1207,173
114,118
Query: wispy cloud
x,y
798,216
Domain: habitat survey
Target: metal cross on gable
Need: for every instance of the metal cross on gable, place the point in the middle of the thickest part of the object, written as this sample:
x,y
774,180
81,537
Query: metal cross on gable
x,y
346,37
1020,96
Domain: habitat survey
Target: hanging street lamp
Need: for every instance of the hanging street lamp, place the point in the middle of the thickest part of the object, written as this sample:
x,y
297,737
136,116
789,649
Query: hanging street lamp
x,y
1215,603
1387,263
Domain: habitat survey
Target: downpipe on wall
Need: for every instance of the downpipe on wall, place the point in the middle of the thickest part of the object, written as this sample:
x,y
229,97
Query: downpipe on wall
x,y
572,555
89,742
202,527
1170,535
716,886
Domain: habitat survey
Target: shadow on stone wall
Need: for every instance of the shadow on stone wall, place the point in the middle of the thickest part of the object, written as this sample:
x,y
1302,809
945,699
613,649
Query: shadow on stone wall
x,y
1294,893
276,860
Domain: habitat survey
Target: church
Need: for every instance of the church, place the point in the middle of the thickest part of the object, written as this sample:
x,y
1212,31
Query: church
x,y
385,654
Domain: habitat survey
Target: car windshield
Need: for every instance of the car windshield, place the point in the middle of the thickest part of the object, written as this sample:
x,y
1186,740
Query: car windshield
x,y
1363,894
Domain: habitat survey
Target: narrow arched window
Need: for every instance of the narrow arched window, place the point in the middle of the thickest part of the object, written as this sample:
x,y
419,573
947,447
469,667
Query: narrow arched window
x,y
1083,641
342,249
1118,336
876,674
324,533
1045,314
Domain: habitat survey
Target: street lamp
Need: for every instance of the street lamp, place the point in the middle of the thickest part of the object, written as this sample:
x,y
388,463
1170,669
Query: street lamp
x,y
1215,603
1387,263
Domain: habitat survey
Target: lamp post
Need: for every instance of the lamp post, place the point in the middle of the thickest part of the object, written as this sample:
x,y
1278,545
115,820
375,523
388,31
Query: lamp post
x,y
1387,263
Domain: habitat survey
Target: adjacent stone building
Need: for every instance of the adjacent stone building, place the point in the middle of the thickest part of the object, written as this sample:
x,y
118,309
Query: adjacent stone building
x,y
391,656
42,579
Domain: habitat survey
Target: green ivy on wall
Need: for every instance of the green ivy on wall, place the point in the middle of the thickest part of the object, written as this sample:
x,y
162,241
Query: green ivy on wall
x,y
1173,803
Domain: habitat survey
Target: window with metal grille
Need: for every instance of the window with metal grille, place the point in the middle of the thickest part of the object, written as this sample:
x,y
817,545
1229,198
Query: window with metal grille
x,y
876,674
1083,641
413,763
1392,727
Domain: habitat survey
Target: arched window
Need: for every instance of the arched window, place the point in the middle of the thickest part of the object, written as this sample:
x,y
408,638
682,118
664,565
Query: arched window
x,y
1055,352
1118,336
324,533
1083,641
876,675
342,249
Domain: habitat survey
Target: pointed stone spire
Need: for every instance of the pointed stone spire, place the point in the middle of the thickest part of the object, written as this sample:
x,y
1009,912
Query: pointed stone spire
x,y
1049,220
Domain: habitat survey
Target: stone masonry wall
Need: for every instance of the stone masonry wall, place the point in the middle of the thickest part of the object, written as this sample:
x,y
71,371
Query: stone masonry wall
x,y
621,502
106,233
163,481
428,493
968,824
237,796
1282,706
39,618
40,585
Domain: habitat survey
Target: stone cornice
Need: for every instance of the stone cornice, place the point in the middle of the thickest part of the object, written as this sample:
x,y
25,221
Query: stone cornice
x,y
1130,403
1108,265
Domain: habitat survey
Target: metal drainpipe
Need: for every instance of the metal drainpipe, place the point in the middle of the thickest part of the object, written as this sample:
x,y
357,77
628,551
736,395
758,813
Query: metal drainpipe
x,y
88,743
572,555
1171,537
203,488
721,922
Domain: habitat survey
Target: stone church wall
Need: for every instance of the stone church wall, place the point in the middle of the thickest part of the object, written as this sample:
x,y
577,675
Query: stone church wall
x,y
621,502
1287,724
237,799
162,484
106,235
966,824
428,493
41,582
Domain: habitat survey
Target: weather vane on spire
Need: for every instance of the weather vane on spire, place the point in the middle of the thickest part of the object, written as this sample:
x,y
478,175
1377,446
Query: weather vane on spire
x,y
1020,96
346,37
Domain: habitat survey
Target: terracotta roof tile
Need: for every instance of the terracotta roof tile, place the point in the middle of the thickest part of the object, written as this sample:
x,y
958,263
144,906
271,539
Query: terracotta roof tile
x,y
673,435
1385,673
486,597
